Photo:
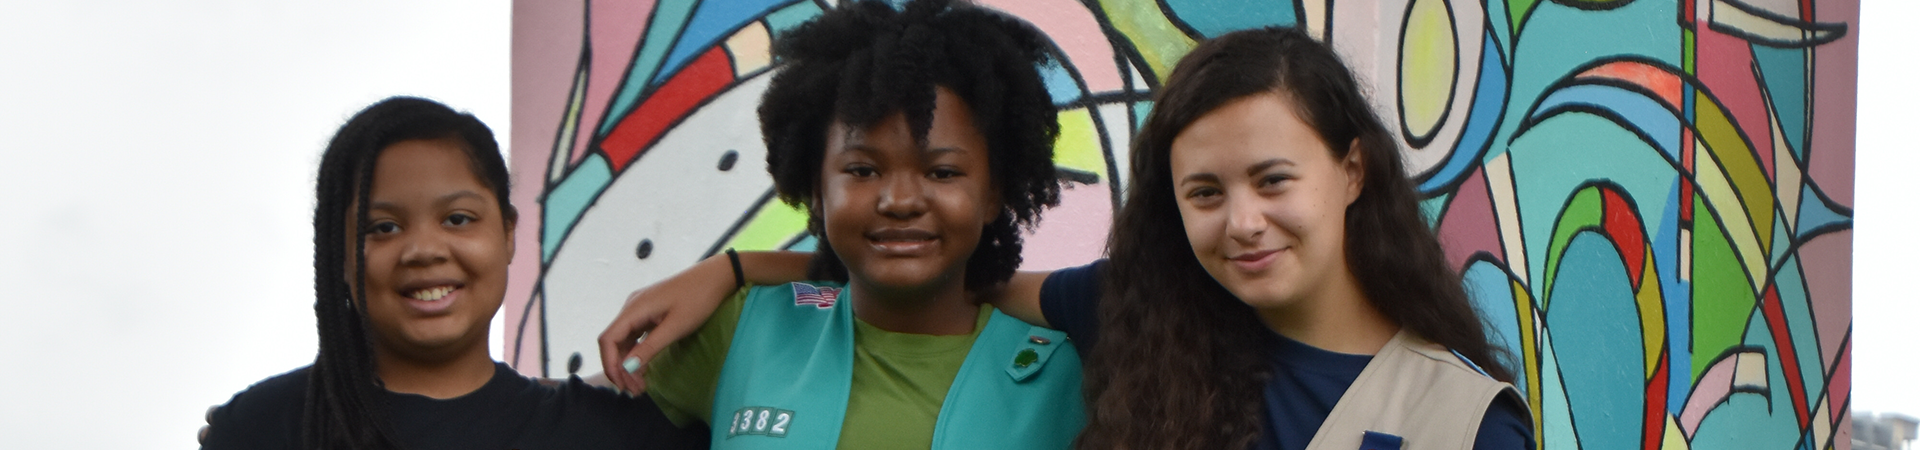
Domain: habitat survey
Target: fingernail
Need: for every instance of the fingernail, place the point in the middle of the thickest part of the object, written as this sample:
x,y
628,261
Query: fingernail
x,y
632,364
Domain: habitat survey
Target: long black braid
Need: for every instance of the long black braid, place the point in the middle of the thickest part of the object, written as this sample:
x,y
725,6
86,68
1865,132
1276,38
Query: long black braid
x,y
865,61
344,408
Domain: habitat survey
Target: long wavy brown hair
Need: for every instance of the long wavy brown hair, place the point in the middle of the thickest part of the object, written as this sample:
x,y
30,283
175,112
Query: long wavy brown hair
x,y
1184,363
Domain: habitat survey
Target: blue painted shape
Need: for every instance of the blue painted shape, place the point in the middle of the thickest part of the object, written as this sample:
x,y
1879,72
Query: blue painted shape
x,y
1499,22
1559,155
1752,420
1212,18
1780,233
568,200
805,244
1140,111
1491,292
1641,113
715,20
1815,213
668,18
791,16
1430,209
1482,118
1784,72
1556,419
1675,295
1596,331
1060,83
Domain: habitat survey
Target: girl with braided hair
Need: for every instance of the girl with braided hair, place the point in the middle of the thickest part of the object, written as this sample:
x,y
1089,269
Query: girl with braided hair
x,y
919,141
412,235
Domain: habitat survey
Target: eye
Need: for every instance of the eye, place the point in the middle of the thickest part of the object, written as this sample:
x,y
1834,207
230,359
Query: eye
x,y
861,171
1204,195
382,228
458,219
943,173
1273,179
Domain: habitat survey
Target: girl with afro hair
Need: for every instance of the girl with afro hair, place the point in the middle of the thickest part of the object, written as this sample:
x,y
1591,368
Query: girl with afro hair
x,y
919,140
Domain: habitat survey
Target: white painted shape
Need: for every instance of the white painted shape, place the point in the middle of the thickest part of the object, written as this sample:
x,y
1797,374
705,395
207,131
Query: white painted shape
x,y
1506,210
675,195
1116,120
1750,370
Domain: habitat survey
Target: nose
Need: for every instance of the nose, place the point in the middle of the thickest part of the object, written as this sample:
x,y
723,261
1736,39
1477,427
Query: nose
x,y
1246,222
425,248
903,196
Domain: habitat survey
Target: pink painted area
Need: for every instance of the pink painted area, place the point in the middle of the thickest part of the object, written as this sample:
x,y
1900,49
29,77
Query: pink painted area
x,y
1840,382
1661,82
1073,28
1725,67
1835,73
614,30
1714,385
1828,264
546,47
1469,226
524,347
1073,233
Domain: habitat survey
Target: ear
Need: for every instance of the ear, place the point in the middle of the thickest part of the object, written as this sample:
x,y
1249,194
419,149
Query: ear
x,y
1355,166
512,216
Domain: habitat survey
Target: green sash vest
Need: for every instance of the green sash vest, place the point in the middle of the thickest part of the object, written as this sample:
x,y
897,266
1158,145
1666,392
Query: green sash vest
x,y
790,369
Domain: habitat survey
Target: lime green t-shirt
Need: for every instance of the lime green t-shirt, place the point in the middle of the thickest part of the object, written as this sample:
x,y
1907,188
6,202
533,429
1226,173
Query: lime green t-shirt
x,y
899,379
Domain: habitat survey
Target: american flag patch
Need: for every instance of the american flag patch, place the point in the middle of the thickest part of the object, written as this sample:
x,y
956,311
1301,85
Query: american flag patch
x,y
815,296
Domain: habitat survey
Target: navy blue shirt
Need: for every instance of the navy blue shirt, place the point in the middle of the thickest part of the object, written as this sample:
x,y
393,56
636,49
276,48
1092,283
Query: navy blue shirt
x,y
1307,381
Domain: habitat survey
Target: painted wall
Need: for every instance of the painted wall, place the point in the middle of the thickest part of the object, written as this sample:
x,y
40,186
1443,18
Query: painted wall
x,y
1650,200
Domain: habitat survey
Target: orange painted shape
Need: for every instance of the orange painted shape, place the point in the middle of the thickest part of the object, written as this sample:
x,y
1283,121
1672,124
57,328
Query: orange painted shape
x,y
1659,81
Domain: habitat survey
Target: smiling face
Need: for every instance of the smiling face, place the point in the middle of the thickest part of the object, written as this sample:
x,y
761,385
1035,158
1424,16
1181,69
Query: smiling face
x,y
1264,201
902,217
436,252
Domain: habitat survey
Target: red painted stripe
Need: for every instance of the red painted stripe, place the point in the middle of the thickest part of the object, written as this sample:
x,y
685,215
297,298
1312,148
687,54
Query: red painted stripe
x,y
1656,414
701,79
1686,186
1624,228
1783,345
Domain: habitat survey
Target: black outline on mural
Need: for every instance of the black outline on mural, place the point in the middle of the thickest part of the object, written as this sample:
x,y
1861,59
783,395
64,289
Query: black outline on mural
x,y
1400,79
1837,30
1506,95
1733,389
1591,5
752,212
1123,46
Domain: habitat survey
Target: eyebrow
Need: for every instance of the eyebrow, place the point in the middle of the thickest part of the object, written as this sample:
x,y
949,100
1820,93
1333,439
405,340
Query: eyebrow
x,y
442,201
928,154
1252,171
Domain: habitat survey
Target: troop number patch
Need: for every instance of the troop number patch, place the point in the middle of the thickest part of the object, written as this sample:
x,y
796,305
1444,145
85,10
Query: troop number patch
x,y
760,420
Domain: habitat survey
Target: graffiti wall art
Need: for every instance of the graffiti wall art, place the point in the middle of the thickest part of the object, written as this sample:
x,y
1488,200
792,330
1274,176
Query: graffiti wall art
x,y
1651,200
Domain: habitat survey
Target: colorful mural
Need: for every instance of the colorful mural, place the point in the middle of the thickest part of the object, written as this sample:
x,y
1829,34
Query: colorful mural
x,y
1650,200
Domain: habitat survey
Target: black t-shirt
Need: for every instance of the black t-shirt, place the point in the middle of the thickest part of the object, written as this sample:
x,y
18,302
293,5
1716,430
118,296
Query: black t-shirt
x,y
1307,381
509,412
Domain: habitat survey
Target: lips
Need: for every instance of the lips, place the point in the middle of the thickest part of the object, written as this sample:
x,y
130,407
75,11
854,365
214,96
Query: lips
x,y
431,297
1255,261
903,241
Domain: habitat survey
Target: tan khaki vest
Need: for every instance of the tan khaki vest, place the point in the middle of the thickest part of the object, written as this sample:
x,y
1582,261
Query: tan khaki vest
x,y
1416,390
